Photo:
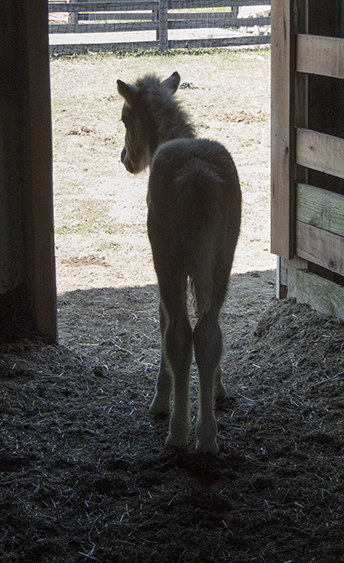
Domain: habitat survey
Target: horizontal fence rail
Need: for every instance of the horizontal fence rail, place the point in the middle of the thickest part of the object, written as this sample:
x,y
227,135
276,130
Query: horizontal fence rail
x,y
122,26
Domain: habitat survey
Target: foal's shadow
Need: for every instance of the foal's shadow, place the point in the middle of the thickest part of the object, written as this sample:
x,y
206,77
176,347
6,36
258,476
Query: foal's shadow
x,y
203,468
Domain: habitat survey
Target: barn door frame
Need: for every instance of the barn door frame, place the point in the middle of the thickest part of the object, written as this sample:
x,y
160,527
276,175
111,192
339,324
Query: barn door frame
x,y
282,129
28,299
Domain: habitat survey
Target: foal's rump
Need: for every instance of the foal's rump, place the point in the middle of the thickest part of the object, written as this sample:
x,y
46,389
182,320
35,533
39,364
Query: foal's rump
x,y
194,212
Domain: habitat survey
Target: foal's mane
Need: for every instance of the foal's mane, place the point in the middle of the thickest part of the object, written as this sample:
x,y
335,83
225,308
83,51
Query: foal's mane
x,y
171,120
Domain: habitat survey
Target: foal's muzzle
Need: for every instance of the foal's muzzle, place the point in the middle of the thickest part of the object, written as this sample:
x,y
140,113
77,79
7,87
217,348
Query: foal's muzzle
x,y
126,161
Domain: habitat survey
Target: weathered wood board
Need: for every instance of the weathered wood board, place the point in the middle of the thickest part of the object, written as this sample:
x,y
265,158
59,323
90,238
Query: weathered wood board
x,y
320,294
320,55
320,247
320,152
320,208
282,130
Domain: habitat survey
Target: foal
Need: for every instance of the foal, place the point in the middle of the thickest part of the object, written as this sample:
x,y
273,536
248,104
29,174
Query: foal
x,y
194,209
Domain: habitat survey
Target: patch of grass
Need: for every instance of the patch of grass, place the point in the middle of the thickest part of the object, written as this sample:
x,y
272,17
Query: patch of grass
x,y
112,228
263,51
63,230
90,217
141,53
109,245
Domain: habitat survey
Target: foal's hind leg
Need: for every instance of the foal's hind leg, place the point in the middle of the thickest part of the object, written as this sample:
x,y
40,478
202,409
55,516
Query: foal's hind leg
x,y
208,347
162,398
220,392
178,341
177,353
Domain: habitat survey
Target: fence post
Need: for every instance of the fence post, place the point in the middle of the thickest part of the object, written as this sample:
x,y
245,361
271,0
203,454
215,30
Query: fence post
x,y
74,15
155,18
163,31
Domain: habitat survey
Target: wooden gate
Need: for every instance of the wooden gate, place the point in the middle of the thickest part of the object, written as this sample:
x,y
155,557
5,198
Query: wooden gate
x,y
307,151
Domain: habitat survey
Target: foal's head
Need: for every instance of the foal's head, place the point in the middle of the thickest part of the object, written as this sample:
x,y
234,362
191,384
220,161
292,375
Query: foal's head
x,y
151,116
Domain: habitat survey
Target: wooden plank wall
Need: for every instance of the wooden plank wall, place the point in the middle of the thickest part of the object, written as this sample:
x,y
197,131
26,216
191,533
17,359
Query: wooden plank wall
x,y
320,151
320,55
316,173
319,234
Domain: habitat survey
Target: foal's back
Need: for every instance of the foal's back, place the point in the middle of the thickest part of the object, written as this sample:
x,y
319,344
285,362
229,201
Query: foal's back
x,y
194,207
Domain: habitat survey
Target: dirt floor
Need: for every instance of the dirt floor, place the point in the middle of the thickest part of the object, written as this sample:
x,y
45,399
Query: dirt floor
x,y
84,475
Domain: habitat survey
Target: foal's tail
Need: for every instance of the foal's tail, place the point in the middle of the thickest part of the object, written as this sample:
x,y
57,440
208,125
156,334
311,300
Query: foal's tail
x,y
203,205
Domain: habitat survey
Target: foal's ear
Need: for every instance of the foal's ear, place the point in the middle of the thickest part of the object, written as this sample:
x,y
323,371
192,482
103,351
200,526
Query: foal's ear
x,y
172,82
128,92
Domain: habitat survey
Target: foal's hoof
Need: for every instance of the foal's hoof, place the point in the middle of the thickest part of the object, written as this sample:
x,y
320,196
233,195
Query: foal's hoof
x,y
159,407
220,392
171,442
211,448
206,436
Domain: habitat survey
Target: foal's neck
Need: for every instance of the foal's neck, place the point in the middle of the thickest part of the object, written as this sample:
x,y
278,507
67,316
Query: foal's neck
x,y
178,126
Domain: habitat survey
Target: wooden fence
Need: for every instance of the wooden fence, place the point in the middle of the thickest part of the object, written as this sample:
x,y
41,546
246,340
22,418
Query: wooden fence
x,y
130,25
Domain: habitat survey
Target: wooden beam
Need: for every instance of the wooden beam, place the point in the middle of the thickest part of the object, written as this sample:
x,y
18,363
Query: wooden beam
x,y
55,49
102,6
316,54
38,171
103,27
320,208
180,4
218,19
320,247
282,128
320,294
320,152
215,42
289,270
